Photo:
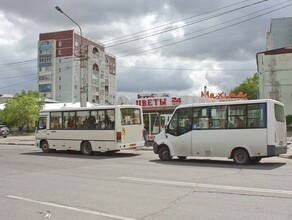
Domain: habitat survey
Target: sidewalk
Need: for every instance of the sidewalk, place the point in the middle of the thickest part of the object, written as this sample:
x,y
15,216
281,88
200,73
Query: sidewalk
x,y
29,140
17,140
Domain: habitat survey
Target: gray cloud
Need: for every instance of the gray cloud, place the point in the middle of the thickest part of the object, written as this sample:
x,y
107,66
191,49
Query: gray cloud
x,y
153,80
231,48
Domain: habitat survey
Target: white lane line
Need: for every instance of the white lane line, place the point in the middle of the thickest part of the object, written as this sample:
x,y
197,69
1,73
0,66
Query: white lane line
x,y
210,186
70,208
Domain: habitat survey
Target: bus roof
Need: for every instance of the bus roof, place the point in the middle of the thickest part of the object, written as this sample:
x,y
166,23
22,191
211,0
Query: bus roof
x,y
230,103
95,107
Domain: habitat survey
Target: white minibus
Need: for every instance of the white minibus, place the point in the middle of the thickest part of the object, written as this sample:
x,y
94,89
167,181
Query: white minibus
x,y
245,131
90,129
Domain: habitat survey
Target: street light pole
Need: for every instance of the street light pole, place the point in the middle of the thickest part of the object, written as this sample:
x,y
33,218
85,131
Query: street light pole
x,y
82,63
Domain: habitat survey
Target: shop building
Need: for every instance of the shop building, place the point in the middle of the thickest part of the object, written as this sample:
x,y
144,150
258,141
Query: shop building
x,y
157,109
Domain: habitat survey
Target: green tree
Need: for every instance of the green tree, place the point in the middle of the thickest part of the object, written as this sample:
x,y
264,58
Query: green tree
x,y
22,111
249,87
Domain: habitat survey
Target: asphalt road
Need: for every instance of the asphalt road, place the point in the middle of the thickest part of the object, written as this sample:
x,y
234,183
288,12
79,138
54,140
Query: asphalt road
x,y
136,185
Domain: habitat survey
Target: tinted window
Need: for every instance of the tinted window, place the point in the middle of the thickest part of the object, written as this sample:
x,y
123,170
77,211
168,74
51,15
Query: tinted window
x,y
256,115
130,116
82,119
279,113
184,120
181,122
56,120
237,116
42,123
172,125
68,120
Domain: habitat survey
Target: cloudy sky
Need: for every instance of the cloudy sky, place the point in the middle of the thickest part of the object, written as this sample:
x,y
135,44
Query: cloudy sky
x,y
161,45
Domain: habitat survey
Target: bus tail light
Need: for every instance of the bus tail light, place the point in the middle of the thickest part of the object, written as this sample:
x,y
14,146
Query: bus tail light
x,y
119,136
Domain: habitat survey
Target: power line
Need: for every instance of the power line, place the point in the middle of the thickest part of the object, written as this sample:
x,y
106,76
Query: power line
x,y
129,36
203,34
13,85
18,62
171,39
13,77
184,25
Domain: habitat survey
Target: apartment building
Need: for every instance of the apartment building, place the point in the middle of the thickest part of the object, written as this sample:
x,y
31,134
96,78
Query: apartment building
x,y
59,71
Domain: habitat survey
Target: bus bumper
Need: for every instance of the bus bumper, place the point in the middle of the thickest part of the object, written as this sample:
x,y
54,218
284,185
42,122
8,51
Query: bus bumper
x,y
155,147
272,150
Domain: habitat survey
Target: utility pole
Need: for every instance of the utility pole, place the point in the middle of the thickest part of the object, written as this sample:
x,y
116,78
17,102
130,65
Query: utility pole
x,y
83,90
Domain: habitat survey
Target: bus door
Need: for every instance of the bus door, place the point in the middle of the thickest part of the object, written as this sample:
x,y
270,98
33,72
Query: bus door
x,y
179,132
209,131
41,127
280,126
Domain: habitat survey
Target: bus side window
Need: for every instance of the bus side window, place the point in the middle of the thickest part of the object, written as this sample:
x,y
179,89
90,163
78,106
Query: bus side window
x,y
184,120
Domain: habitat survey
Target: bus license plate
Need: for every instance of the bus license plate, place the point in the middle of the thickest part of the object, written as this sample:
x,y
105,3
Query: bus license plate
x,y
132,145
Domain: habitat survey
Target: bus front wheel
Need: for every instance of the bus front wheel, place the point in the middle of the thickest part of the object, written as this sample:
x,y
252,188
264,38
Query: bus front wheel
x,y
241,156
164,154
45,147
86,148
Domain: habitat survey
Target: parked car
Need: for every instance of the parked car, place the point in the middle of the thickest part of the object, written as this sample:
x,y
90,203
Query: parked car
x,y
4,131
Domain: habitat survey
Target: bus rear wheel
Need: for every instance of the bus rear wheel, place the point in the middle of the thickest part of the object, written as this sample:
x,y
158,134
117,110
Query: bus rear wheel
x,y
86,148
164,154
45,147
240,156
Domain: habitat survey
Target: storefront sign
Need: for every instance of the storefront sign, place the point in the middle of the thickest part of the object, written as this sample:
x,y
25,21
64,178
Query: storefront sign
x,y
167,101
223,95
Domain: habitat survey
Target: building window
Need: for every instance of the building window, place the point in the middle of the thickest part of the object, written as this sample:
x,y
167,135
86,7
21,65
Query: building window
x,y
48,68
60,78
60,43
45,88
60,87
95,50
45,60
59,52
47,77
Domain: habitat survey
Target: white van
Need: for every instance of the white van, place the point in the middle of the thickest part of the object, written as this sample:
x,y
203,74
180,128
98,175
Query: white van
x,y
245,131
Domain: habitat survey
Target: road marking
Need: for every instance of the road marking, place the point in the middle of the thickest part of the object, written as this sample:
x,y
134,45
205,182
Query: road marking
x,y
210,186
70,208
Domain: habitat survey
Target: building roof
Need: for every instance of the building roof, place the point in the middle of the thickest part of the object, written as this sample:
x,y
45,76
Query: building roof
x,y
283,50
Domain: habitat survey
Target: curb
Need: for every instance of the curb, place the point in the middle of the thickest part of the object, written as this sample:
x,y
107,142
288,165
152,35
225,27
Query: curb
x,y
3,143
28,144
